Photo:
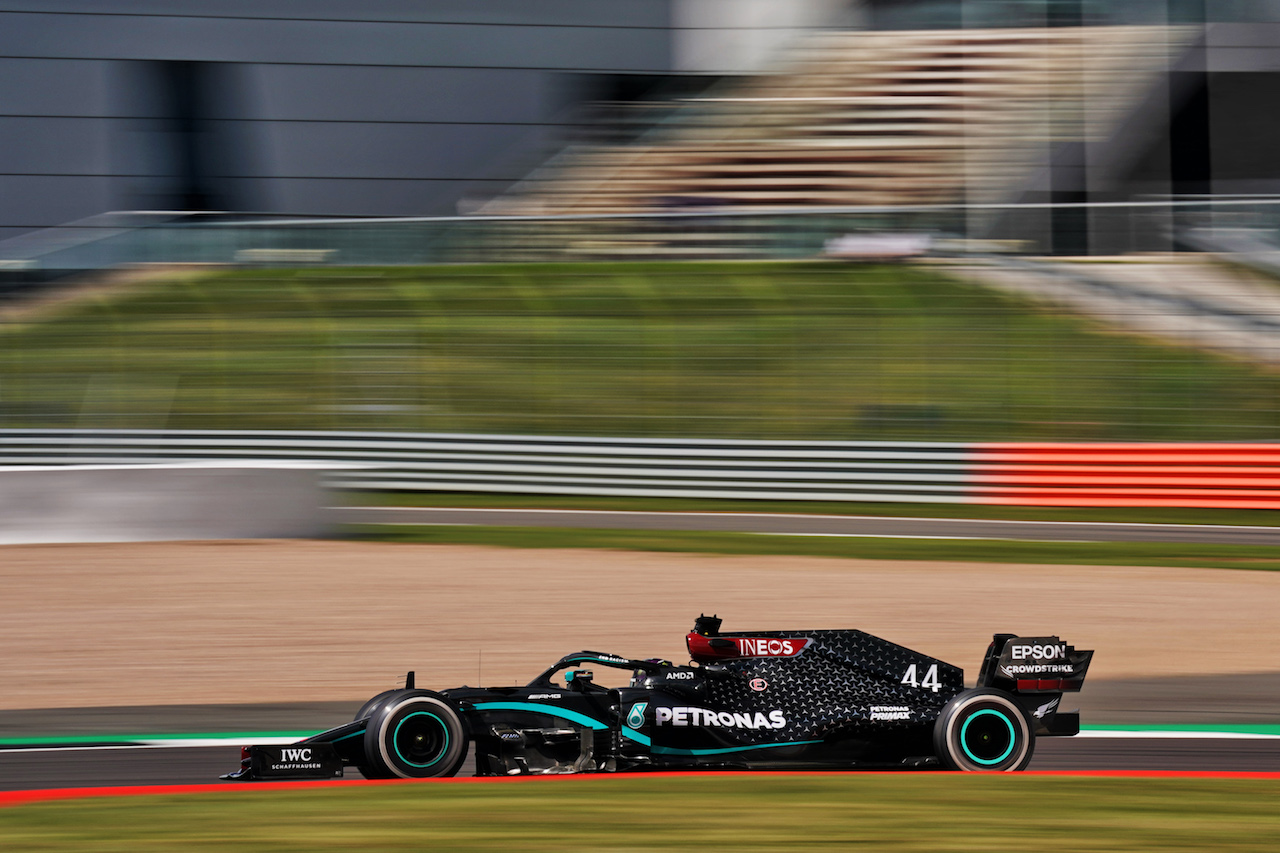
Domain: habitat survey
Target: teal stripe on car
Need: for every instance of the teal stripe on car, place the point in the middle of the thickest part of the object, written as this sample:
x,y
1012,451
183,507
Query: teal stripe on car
x,y
549,710
671,750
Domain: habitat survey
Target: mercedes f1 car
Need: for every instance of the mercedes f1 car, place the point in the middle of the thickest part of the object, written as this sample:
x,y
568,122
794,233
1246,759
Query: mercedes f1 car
x,y
766,699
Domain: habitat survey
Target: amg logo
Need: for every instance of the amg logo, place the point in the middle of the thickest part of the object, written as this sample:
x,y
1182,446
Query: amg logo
x,y
1038,652
769,647
721,719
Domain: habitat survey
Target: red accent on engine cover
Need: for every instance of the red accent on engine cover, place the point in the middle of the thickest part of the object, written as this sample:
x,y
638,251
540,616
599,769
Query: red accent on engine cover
x,y
706,649
1041,685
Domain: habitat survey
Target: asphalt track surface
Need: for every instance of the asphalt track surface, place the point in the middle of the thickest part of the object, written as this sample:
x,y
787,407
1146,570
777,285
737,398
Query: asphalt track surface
x,y
1211,700
128,766
1235,699
819,525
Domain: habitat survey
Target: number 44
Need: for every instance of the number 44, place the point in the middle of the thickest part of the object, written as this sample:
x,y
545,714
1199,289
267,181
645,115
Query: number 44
x,y
930,679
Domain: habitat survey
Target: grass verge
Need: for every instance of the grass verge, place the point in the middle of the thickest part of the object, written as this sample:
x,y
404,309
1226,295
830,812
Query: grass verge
x,y
1209,556
1134,515
806,350
902,812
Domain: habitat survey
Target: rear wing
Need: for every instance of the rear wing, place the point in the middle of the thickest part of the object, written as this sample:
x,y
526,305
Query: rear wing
x,y
1033,665
1037,671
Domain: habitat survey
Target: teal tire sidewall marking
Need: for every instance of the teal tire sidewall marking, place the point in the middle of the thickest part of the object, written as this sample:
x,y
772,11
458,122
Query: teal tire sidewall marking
x,y
964,743
395,739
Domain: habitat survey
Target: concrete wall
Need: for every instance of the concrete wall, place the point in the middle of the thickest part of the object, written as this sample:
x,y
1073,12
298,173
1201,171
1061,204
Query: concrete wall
x,y
159,502
393,107
343,107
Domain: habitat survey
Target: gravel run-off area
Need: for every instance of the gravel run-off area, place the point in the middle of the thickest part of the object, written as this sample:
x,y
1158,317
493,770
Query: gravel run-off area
x,y
295,621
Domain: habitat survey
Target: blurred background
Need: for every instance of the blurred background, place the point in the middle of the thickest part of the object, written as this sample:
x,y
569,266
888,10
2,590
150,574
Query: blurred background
x,y
851,254
913,219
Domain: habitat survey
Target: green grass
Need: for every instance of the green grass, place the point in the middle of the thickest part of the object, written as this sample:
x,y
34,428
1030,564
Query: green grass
x,y
804,350
902,812
1211,556
1137,515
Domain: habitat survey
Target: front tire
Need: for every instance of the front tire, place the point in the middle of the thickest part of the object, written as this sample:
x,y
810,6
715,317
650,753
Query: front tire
x,y
983,731
417,734
367,709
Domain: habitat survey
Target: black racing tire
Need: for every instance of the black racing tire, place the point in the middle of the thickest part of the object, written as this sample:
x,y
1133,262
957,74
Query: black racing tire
x,y
414,734
368,708
984,731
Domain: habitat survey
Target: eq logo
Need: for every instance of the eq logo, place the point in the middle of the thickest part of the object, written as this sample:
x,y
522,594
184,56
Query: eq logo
x,y
759,685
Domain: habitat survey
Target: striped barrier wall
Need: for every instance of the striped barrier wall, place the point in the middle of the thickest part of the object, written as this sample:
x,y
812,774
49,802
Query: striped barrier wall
x,y
624,467
1241,476
1207,475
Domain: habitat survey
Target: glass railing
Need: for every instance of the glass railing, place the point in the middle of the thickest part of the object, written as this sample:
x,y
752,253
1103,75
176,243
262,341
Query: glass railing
x,y
712,233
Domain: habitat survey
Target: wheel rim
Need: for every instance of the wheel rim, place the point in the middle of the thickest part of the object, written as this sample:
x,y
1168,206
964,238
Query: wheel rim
x,y
420,739
987,737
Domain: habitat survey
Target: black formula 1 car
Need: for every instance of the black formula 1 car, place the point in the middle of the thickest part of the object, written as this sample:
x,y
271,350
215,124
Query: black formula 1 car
x,y
767,699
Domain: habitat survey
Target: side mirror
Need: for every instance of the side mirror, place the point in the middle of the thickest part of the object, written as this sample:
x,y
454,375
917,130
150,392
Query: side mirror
x,y
578,679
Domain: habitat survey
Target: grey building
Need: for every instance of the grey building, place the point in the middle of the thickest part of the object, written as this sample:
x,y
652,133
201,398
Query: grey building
x,y
375,107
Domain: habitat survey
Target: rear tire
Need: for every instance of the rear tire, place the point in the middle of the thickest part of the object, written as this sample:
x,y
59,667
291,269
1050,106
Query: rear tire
x,y
415,734
984,730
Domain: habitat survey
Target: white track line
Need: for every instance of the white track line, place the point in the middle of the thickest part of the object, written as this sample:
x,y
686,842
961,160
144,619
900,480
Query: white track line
x,y
167,743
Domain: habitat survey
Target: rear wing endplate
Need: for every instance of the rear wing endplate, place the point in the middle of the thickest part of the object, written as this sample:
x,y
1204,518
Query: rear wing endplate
x,y
1033,665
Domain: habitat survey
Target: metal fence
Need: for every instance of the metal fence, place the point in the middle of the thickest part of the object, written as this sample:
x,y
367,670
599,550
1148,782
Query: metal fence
x,y
1218,475
146,237
842,471
702,233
